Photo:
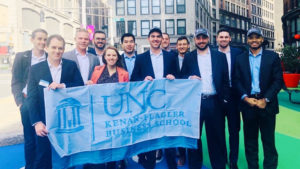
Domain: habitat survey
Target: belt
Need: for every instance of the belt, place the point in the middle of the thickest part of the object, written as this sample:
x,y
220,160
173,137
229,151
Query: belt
x,y
256,95
207,96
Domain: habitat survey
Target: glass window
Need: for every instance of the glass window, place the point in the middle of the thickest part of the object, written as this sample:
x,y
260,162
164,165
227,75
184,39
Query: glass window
x,y
120,28
181,27
131,7
170,26
144,7
132,27
227,20
214,13
180,5
155,6
145,28
214,2
238,23
293,26
156,23
214,27
169,6
120,7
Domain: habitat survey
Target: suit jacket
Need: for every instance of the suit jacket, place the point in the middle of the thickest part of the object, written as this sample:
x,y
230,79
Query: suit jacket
x,y
143,66
270,78
94,61
123,75
190,67
20,71
124,62
70,76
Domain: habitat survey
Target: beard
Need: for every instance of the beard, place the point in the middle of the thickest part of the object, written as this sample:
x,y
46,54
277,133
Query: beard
x,y
203,47
100,47
255,48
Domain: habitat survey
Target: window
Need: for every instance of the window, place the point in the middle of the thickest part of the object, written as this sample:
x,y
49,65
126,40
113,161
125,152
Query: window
x,y
132,27
214,27
145,27
233,8
156,23
197,10
120,28
298,25
214,13
144,7
180,5
181,27
155,6
214,2
169,6
131,7
170,26
120,7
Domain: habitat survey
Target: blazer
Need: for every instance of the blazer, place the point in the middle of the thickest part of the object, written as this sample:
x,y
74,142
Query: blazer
x,y
93,59
190,67
124,62
270,78
123,75
70,76
20,71
143,66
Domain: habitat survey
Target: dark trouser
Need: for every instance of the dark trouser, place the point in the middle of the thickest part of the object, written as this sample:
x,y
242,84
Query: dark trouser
x,y
148,159
213,117
182,152
109,165
256,120
29,137
232,113
43,158
171,158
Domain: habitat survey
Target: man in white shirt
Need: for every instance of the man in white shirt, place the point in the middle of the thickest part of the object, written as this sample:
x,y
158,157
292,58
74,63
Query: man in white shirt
x,y
150,65
20,70
85,61
53,73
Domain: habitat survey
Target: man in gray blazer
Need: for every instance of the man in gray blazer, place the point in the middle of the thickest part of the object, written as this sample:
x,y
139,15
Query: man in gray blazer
x,y
85,61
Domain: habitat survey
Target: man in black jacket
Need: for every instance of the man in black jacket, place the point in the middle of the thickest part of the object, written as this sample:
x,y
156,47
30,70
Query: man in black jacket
x,y
258,79
22,64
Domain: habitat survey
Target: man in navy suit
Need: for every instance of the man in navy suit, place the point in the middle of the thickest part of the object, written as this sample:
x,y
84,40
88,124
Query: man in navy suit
x,y
231,110
53,73
258,79
210,67
20,71
155,64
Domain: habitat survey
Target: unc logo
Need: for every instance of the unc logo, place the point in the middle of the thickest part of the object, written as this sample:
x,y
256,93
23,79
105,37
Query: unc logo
x,y
117,102
68,113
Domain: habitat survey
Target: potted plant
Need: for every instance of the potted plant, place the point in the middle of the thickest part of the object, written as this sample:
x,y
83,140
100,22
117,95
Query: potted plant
x,y
290,57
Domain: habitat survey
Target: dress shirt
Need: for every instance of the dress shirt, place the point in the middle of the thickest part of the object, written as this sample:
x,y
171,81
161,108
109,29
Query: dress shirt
x,y
157,64
255,69
228,57
34,60
205,68
55,71
100,59
84,66
180,59
129,63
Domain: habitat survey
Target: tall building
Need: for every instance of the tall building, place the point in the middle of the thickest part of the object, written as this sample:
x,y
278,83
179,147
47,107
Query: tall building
x,y
235,16
176,17
291,21
262,16
20,17
278,13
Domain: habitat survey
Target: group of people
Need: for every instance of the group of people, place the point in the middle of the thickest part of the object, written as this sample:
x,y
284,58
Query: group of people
x,y
232,80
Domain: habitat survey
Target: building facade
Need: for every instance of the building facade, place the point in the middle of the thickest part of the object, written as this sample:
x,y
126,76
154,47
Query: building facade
x,y
20,17
235,16
278,13
291,21
262,16
176,17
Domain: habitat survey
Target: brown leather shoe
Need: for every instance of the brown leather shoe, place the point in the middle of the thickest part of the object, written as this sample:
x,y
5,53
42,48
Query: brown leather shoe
x,y
181,161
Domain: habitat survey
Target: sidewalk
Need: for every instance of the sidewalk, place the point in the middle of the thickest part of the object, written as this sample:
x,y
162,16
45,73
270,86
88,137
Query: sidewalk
x,y
11,131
